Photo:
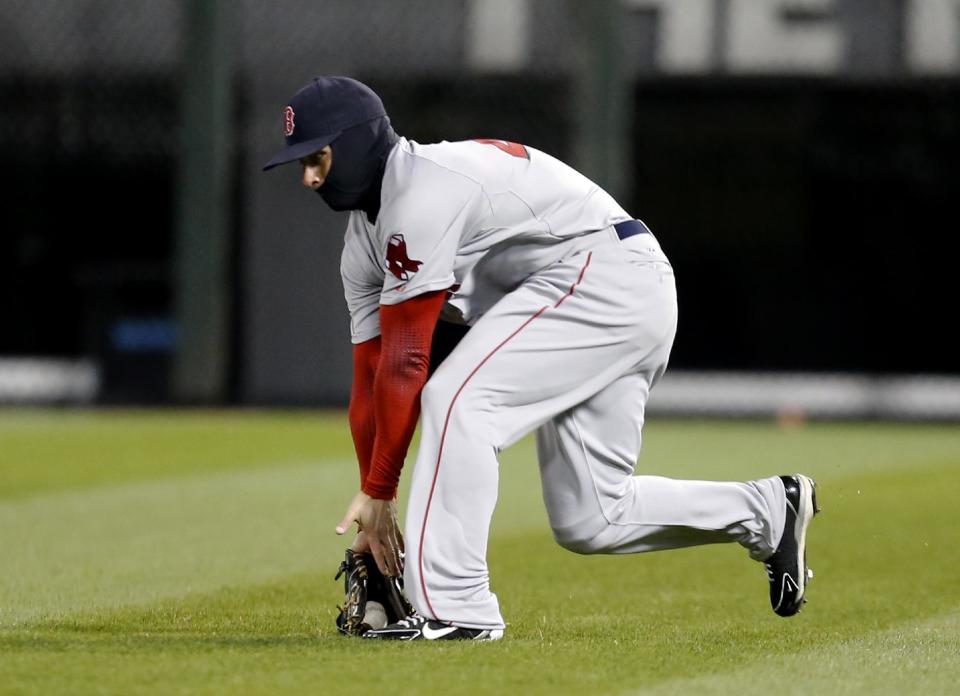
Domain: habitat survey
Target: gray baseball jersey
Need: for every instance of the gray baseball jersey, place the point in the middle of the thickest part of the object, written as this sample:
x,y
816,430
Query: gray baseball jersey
x,y
447,206
572,325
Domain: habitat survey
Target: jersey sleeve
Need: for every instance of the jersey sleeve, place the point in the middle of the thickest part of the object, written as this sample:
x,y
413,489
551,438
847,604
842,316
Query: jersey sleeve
x,y
402,370
362,282
423,229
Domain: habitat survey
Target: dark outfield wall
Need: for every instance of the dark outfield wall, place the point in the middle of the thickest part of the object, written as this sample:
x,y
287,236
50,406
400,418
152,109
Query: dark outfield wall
x,y
811,224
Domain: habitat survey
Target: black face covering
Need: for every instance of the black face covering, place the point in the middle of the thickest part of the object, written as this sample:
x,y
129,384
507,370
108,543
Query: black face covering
x,y
356,171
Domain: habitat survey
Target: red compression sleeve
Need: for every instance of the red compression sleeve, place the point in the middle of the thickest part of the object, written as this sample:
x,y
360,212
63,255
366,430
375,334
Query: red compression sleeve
x,y
406,330
366,355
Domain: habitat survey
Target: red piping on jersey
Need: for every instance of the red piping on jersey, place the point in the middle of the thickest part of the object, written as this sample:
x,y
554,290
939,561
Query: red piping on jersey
x,y
579,280
446,423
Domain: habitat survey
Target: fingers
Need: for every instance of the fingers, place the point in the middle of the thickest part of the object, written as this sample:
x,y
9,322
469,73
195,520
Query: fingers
x,y
383,557
346,522
397,548
396,541
352,515
386,551
391,557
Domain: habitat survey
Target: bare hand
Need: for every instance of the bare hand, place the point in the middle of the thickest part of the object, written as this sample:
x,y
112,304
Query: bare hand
x,y
377,520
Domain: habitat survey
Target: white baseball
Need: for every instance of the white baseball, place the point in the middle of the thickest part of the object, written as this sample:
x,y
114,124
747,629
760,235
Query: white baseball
x,y
375,616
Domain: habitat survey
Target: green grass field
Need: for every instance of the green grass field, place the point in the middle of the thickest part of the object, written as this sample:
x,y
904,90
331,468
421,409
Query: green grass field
x,y
168,552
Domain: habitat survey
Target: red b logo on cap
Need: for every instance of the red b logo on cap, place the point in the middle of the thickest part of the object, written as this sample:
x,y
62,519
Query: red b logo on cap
x,y
288,121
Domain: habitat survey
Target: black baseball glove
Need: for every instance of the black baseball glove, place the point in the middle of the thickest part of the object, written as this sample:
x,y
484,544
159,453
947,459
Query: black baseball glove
x,y
365,583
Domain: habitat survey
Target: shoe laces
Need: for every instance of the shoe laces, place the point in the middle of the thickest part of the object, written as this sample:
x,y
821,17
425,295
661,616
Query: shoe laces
x,y
412,621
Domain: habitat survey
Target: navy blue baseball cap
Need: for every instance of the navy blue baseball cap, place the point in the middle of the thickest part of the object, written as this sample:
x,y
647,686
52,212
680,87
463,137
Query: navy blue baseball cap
x,y
320,112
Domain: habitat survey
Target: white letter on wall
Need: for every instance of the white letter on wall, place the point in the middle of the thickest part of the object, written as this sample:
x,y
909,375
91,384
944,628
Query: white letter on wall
x,y
761,40
497,34
933,36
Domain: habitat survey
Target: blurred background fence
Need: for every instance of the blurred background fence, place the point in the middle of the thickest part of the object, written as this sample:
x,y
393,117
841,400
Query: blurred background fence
x,y
796,158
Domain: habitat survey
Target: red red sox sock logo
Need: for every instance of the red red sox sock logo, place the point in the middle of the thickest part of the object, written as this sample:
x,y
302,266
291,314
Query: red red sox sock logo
x,y
398,261
288,121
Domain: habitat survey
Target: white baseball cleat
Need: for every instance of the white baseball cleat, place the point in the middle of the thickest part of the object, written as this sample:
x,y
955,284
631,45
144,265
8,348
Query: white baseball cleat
x,y
416,627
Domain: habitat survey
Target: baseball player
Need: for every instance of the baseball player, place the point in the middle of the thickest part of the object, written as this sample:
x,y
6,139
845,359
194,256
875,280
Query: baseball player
x,y
572,310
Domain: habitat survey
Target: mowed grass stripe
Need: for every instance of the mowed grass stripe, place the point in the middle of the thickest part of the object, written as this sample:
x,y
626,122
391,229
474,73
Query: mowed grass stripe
x,y
52,451
247,606
578,625
736,450
107,545
138,542
911,658
57,450
63,546
256,640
